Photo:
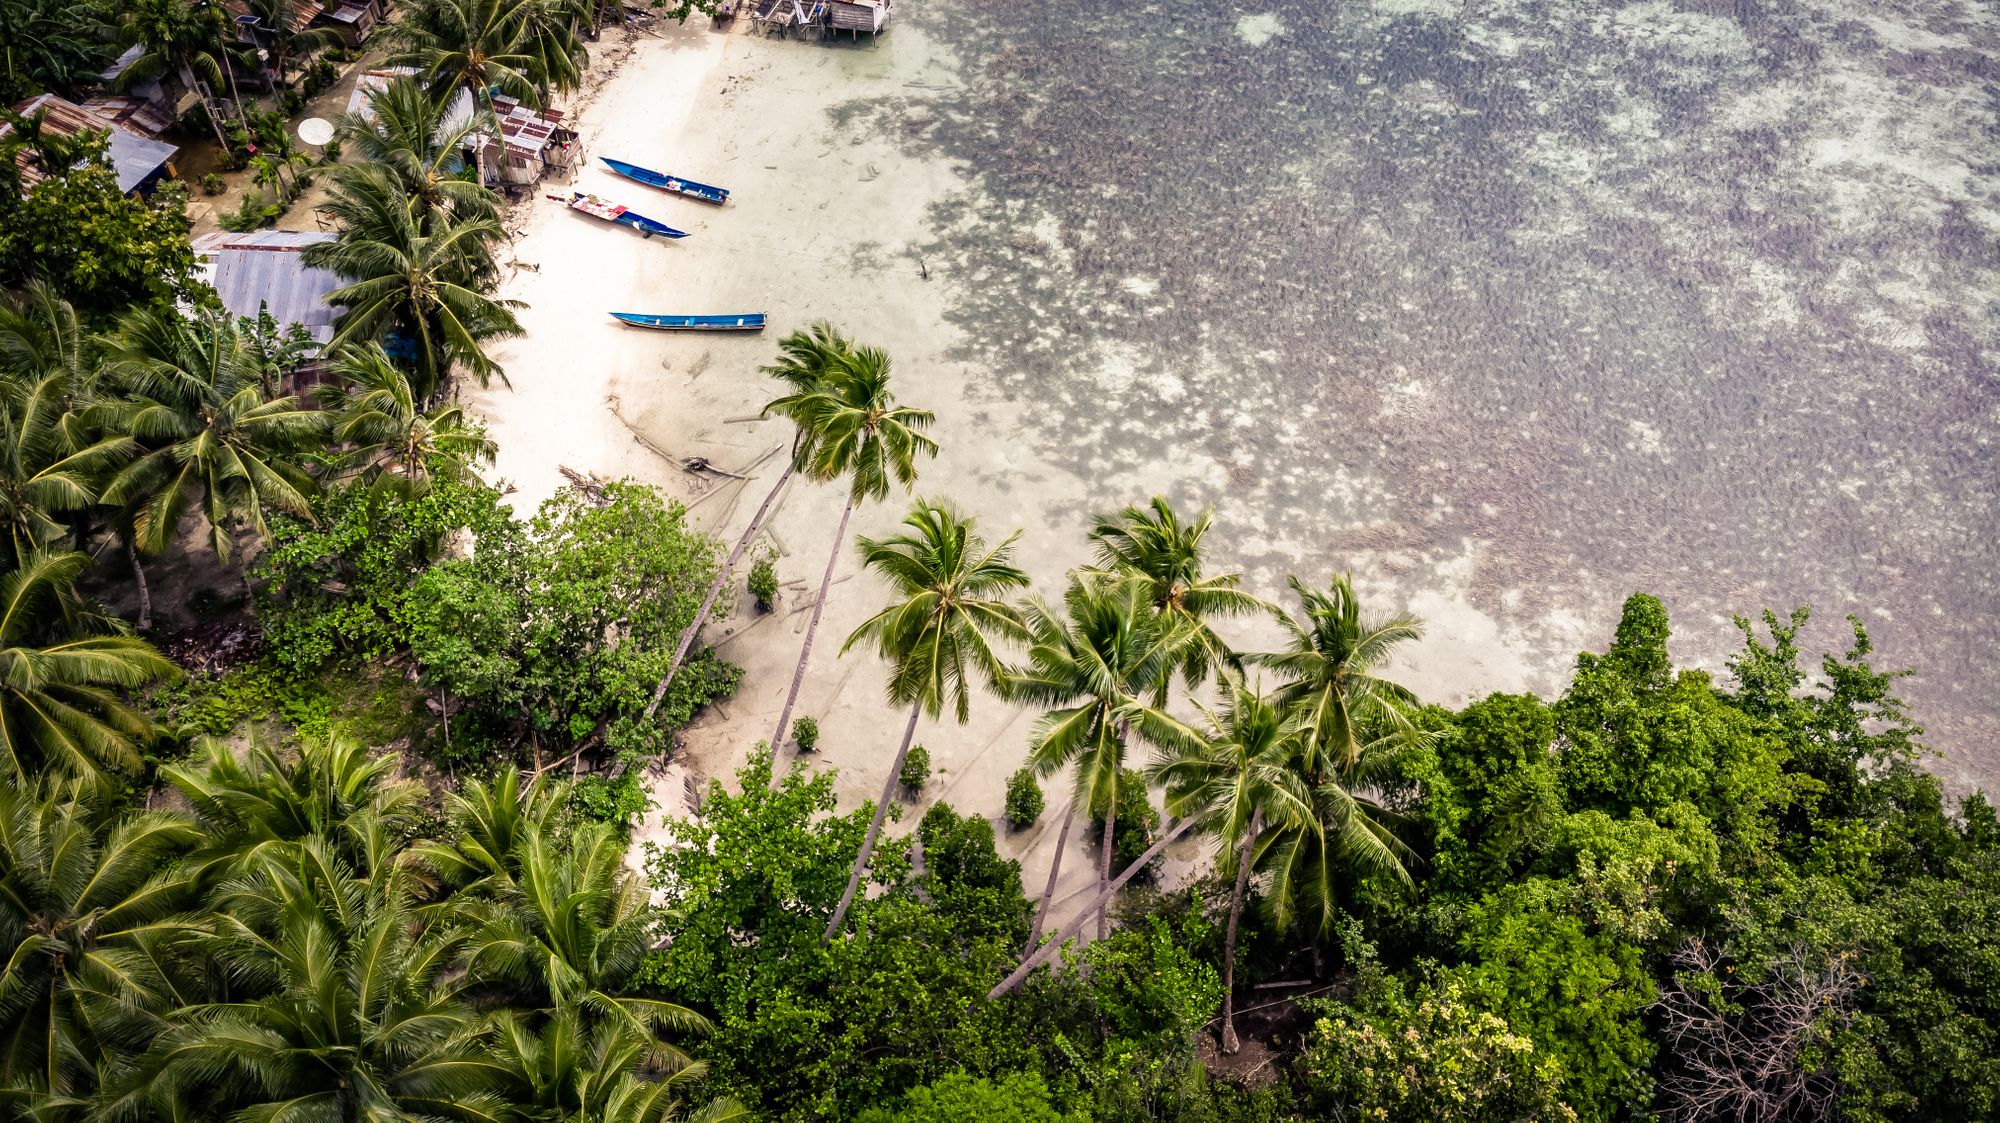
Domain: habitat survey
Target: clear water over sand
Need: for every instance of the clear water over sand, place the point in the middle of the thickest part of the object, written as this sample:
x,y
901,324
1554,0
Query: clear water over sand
x,y
1544,302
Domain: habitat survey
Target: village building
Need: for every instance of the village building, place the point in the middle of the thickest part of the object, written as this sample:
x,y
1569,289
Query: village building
x,y
138,114
170,104
265,271
140,161
356,20
537,143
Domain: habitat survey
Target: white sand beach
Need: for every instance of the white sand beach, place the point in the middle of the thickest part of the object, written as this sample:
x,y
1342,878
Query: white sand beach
x,y
822,224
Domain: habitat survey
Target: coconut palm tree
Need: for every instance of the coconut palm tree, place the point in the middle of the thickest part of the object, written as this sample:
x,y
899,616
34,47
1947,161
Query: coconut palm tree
x,y
805,358
1154,544
1240,779
474,45
176,37
573,933
856,430
61,676
491,823
346,1005
53,459
388,434
551,35
405,131
521,48
269,798
44,50
275,350
209,433
268,170
1352,725
1095,666
938,635
415,278
570,1072
284,36
87,916
1328,663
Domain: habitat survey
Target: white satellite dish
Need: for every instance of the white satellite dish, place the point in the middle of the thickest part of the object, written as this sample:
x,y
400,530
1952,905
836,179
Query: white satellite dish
x,y
316,131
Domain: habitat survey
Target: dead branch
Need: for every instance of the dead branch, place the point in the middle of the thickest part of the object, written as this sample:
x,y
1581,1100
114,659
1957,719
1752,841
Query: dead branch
x,y
1741,1048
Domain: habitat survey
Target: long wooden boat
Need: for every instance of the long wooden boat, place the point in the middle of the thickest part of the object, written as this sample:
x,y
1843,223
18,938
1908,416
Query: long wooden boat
x,y
744,321
705,192
612,212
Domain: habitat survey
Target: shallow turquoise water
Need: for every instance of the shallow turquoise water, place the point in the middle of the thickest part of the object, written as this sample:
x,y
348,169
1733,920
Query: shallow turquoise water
x,y
1695,297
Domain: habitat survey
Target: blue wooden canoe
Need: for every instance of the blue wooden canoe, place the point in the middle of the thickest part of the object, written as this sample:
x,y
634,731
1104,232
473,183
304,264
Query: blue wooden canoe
x,y
673,183
744,321
623,216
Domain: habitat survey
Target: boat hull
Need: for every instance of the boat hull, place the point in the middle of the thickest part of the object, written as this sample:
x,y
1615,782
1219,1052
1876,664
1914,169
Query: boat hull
x,y
608,211
707,193
746,321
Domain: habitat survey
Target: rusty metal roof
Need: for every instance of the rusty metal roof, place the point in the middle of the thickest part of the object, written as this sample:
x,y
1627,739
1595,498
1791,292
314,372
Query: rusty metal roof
x,y
134,156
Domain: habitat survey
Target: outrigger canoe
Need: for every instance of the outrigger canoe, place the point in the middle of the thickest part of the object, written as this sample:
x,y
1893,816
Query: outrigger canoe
x,y
746,321
673,183
612,212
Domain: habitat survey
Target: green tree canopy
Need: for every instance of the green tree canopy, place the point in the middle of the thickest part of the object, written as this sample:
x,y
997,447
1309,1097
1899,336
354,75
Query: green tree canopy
x,y
77,230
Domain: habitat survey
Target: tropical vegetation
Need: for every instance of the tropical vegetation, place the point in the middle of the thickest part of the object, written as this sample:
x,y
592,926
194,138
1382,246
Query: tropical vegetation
x,y
368,820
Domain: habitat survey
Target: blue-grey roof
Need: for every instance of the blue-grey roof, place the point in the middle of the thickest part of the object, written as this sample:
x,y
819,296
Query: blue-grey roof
x,y
136,157
123,64
263,267
133,156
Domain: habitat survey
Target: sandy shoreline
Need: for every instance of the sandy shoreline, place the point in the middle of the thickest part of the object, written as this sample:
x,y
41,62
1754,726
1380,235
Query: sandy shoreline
x,y
824,222
819,227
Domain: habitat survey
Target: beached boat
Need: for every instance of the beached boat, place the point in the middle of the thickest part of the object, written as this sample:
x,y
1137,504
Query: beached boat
x,y
612,212
742,321
673,183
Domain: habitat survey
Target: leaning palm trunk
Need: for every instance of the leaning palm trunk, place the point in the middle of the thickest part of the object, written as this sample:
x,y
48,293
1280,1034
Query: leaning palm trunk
x,y
715,588
1104,862
1076,922
145,622
1055,870
874,825
1230,1043
812,627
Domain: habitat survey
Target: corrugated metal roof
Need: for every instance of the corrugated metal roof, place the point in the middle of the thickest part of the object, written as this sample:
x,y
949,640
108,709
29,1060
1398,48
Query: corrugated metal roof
x,y
302,13
263,268
374,81
123,64
133,156
137,114
526,131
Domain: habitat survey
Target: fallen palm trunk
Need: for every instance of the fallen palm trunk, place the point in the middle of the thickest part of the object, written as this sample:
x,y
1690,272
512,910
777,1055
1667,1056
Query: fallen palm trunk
x,y
1076,922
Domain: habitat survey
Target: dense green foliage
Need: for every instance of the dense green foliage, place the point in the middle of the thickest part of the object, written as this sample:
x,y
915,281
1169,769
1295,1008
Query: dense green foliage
x,y
40,49
76,230
1019,1096
340,585
762,584
290,947
916,769
1429,1055
1024,799
551,631
1663,894
567,621
806,1028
